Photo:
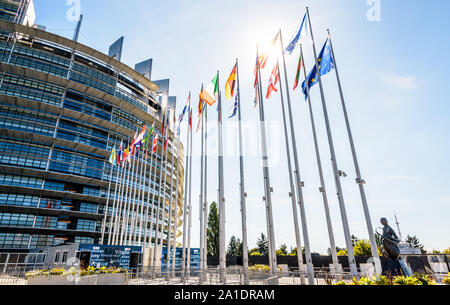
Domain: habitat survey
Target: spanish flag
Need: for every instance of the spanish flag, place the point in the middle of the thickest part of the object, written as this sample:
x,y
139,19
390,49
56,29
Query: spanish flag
x,y
230,86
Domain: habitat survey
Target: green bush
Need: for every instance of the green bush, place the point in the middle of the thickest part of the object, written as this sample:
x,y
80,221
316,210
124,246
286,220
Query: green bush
x,y
415,280
72,271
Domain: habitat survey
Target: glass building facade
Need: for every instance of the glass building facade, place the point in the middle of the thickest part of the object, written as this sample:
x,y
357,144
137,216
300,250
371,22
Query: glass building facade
x,y
63,108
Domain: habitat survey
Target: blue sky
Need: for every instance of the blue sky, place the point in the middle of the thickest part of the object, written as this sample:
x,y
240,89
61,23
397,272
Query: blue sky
x,y
394,74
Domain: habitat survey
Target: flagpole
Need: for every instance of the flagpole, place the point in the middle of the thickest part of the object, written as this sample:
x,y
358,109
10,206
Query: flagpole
x,y
185,201
242,185
175,223
292,193
300,185
222,247
340,195
153,216
268,190
359,179
149,190
142,215
205,200
202,169
160,195
322,189
107,204
169,225
136,200
190,203
116,197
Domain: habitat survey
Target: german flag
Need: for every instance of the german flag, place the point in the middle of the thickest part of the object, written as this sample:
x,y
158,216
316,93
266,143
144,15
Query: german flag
x,y
230,86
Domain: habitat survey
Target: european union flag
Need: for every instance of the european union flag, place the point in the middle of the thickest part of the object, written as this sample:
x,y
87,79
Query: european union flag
x,y
301,32
325,63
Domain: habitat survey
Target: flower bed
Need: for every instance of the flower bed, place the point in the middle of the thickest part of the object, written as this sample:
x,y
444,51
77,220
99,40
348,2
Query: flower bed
x,y
447,279
90,276
415,280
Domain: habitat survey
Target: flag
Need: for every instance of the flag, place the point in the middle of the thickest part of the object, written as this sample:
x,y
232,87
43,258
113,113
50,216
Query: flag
x,y
190,119
140,137
119,154
200,103
149,135
301,32
274,79
210,94
126,155
256,83
262,60
165,144
299,69
230,86
113,157
155,143
132,147
181,118
325,63
275,40
235,107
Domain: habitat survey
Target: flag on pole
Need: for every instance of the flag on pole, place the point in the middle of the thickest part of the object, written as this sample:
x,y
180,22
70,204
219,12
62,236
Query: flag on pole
x,y
274,79
190,119
181,118
325,63
126,155
256,83
210,94
201,109
149,135
235,107
140,137
301,32
230,86
119,154
113,157
155,143
299,69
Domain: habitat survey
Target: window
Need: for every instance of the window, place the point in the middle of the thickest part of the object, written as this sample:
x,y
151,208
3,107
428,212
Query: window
x,y
57,255
64,257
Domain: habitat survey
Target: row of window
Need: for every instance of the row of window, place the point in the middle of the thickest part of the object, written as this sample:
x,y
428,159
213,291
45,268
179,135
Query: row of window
x,y
25,241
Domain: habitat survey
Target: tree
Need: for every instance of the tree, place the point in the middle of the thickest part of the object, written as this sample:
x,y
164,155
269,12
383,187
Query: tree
x,y
414,242
254,252
362,248
282,251
263,245
235,246
213,230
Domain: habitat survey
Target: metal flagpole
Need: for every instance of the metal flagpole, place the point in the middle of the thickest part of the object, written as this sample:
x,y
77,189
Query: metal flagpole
x,y
222,247
190,206
136,200
119,203
149,186
116,197
359,179
185,201
205,200
107,204
340,195
242,185
202,169
175,223
268,189
152,213
322,180
142,215
130,189
299,183
161,197
139,220
291,184
151,174
169,225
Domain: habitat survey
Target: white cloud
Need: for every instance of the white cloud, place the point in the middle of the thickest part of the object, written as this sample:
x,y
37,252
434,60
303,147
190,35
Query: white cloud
x,y
402,82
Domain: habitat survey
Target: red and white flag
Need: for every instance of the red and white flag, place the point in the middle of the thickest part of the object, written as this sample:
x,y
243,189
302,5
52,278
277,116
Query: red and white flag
x,y
273,82
155,143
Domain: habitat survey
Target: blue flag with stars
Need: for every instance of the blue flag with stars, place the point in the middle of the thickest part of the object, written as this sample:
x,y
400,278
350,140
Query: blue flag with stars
x,y
302,32
325,63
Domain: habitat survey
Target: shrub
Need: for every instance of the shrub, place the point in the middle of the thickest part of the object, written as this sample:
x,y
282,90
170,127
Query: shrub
x,y
447,279
84,272
406,281
424,279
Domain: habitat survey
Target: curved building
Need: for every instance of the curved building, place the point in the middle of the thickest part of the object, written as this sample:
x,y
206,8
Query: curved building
x,y
64,107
